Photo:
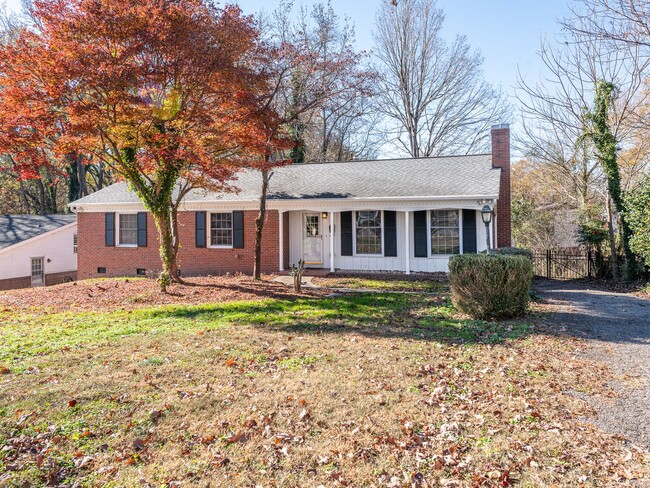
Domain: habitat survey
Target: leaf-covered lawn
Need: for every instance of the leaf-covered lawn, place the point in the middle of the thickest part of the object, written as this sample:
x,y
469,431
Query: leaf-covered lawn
x,y
359,390
384,283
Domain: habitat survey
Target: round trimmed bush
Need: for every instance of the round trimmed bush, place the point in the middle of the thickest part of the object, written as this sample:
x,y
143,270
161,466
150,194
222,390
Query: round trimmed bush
x,y
490,286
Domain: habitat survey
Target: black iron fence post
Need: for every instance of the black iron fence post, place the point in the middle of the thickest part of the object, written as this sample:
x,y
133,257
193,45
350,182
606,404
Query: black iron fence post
x,y
589,264
548,263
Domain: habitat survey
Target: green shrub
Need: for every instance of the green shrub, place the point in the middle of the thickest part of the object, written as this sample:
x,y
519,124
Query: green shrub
x,y
514,251
490,286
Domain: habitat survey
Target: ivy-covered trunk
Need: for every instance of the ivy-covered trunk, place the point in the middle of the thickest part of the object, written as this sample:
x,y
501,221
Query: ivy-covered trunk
x,y
156,193
168,250
605,142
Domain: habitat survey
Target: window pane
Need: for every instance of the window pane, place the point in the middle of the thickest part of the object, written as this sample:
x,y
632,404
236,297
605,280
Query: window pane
x,y
128,229
369,232
445,232
312,226
221,229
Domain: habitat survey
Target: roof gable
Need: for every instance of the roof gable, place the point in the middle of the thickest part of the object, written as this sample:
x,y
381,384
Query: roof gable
x,y
18,228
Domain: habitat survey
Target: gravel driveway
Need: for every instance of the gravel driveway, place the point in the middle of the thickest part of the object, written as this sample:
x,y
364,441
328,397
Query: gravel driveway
x,y
618,326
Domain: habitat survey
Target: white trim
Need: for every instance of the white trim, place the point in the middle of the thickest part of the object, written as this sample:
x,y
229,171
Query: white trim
x,y
314,264
332,228
208,232
281,243
117,229
35,238
31,268
407,241
460,227
342,204
354,234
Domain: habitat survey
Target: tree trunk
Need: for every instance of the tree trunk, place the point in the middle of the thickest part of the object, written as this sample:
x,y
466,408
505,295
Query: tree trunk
x,y
23,197
81,175
168,254
612,239
100,175
42,209
259,224
176,271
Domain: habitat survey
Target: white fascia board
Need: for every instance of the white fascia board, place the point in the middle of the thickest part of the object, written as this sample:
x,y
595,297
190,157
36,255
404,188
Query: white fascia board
x,y
13,247
406,203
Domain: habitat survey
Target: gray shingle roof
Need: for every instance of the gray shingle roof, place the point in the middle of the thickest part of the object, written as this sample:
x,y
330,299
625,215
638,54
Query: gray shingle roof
x,y
389,178
18,228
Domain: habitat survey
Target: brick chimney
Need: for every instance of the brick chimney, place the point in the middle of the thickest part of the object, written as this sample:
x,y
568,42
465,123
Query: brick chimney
x,y
501,159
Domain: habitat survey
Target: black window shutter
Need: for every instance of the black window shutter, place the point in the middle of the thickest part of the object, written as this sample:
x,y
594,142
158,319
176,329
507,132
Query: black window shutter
x,y
420,234
199,237
109,229
142,229
390,233
238,229
469,231
346,233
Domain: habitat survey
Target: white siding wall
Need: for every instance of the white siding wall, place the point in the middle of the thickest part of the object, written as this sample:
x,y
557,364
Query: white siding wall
x,y
373,263
57,246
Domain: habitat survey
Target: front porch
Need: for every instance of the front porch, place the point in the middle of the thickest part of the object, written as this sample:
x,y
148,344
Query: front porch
x,y
376,237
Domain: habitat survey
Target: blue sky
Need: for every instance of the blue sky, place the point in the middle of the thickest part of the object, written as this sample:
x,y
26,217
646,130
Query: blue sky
x,y
507,32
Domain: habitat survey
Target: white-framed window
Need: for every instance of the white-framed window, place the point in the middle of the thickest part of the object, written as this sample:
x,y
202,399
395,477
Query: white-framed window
x,y
127,225
221,229
368,232
74,243
444,231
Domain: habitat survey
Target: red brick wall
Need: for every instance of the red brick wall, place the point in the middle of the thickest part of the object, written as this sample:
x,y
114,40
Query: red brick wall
x,y
123,261
12,283
26,281
501,159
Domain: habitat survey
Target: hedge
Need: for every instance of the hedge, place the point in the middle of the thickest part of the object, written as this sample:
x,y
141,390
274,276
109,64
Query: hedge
x,y
493,286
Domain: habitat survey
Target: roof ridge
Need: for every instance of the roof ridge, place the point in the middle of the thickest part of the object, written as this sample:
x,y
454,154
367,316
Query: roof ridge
x,y
389,159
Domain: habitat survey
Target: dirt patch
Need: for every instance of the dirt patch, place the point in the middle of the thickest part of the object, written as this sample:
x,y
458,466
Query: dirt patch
x,y
132,293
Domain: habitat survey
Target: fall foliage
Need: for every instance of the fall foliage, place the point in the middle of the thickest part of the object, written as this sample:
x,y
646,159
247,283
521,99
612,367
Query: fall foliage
x,y
160,91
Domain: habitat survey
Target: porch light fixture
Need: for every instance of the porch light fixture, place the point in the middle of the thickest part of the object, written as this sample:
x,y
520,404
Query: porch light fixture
x,y
324,215
486,215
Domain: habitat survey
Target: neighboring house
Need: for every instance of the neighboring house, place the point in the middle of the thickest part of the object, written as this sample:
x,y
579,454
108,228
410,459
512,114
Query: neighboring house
x,y
37,250
406,215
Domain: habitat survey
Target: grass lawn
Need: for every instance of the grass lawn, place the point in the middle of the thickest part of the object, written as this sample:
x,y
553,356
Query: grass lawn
x,y
353,390
385,283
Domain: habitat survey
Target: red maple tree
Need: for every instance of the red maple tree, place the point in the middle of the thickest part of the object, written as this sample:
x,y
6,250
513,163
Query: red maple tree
x,y
162,91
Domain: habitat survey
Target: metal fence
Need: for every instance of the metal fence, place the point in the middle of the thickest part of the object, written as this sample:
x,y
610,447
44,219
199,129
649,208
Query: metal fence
x,y
568,264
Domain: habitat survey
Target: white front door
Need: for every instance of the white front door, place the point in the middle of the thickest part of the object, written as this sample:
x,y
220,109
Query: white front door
x,y
38,275
312,240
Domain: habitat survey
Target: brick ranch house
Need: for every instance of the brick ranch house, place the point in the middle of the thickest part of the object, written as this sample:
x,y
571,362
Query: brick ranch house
x,y
407,215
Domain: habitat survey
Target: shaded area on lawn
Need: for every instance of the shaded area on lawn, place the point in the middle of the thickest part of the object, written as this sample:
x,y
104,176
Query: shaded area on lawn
x,y
389,315
358,389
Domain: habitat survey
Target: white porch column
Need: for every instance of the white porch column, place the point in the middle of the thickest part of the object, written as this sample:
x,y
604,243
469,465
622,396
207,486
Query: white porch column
x,y
332,268
407,241
281,243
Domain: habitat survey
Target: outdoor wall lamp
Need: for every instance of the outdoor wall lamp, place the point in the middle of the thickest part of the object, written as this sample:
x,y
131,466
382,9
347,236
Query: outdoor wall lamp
x,y
486,215
324,215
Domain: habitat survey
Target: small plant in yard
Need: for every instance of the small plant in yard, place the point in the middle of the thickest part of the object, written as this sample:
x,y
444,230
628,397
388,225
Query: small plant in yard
x,y
297,272
490,286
